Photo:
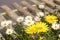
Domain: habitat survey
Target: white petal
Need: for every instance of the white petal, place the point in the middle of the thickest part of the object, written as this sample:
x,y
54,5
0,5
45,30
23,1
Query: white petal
x,y
41,6
24,7
9,21
28,23
37,18
9,31
4,23
40,14
55,26
34,5
28,17
20,19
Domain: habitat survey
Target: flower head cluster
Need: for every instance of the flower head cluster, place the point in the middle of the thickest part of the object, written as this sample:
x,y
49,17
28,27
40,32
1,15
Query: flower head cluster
x,y
9,31
28,20
38,27
55,26
51,18
6,23
42,6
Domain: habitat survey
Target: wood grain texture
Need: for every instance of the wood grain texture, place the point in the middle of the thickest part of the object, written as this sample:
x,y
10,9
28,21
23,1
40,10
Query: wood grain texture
x,y
2,18
13,15
46,7
30,7
19,8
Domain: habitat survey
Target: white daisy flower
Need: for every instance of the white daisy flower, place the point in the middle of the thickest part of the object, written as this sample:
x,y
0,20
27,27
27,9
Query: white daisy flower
x,y
42,6
40,14
9,31
28,18
6,23
37,18
28,23
55,26
20,19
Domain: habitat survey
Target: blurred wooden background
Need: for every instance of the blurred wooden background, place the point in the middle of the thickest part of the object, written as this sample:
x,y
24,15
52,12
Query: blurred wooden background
x,y
9,2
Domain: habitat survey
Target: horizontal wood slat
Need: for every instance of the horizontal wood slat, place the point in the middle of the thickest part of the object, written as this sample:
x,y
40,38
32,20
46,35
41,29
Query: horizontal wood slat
x,y
19,8
2,18
10,12
30,7
26,12
42,3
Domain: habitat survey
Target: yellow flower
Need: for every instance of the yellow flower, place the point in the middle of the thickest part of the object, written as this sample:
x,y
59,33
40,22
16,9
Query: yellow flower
x,y
37,28
30,30
59,35
41,38
41,27
51,18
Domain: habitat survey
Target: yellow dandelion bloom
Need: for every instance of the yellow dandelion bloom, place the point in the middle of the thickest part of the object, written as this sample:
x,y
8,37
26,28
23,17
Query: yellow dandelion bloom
x,y
30,30
41,27
51,18
37,28
41,38
59,35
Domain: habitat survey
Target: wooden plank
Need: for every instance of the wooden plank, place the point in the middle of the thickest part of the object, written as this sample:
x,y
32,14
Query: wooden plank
x,y
39,3
57,1
36,2
30,7
1,36
2,18
51,3
19,8
49,9
13,15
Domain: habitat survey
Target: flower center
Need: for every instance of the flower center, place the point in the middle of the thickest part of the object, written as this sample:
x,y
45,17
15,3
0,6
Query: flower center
x,y
29,22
